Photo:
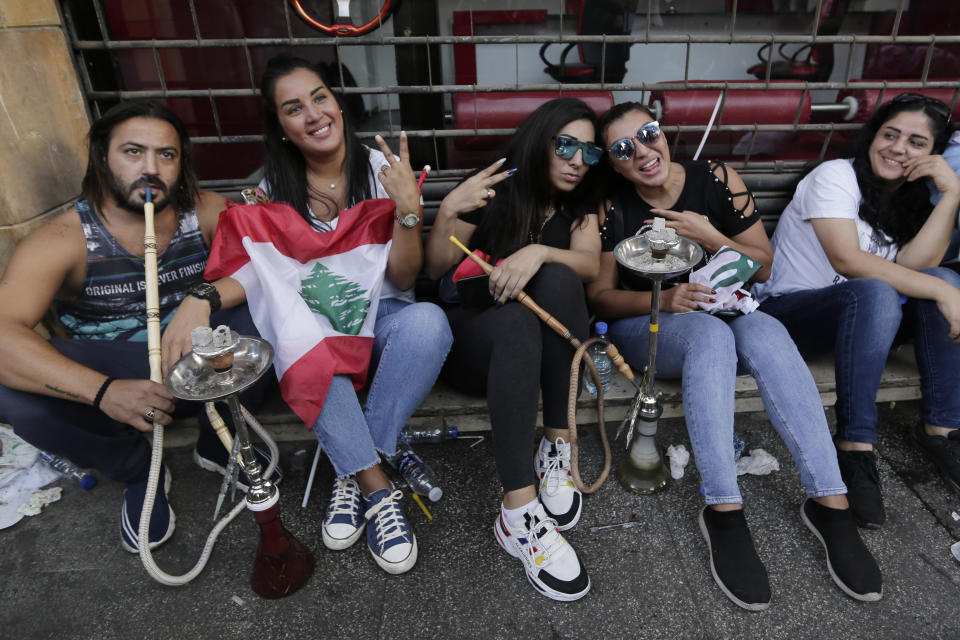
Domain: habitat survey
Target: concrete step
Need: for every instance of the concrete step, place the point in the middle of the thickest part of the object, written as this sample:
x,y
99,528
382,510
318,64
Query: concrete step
x,y
900,382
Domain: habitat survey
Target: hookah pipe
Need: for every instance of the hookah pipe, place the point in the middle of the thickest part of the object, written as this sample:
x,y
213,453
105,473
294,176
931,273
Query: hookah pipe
x,y
581,348
278,549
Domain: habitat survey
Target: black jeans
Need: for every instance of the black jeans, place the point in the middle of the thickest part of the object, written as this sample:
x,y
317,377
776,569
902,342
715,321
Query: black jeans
x,y
510,355
86,435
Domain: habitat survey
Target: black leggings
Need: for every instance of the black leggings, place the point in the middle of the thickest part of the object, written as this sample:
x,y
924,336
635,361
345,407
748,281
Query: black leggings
x,y
511,356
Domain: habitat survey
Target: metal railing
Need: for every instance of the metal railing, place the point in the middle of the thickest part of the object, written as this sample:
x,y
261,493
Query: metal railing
x,y
91,52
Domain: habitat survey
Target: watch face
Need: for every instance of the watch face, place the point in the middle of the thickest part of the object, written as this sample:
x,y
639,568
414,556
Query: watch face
x,y
409,220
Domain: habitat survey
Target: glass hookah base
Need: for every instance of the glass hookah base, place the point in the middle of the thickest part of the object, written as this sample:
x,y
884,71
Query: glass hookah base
x,y
642,481
283,563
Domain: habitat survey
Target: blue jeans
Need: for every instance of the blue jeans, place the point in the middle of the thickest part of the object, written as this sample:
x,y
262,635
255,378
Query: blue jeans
x,y
858,320
411,341
704,351
87,436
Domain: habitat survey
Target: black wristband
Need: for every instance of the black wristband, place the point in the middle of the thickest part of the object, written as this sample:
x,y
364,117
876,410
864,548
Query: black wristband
x,y
101,391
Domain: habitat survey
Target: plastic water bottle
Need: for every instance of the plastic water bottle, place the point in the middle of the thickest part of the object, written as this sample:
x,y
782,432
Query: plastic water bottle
x,y
68,470
416,434
601,361
416,473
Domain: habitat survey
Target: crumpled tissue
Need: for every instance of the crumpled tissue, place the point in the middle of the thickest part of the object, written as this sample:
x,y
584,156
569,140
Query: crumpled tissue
x,y
758,463
679,457
21,475
726,273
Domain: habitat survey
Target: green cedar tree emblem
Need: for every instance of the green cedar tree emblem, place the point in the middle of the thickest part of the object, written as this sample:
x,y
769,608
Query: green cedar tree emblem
x,y
740,269
341,301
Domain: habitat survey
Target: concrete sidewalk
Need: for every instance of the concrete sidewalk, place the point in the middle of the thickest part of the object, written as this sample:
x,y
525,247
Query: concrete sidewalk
x,y
65,575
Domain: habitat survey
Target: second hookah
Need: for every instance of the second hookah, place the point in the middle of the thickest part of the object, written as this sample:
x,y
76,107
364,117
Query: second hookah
x,y
655,253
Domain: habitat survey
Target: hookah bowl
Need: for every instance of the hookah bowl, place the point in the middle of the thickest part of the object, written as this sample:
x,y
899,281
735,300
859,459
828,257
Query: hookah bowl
x,y
656,253
221,365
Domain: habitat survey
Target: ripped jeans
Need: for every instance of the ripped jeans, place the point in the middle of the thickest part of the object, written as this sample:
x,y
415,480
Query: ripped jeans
x,y
410,344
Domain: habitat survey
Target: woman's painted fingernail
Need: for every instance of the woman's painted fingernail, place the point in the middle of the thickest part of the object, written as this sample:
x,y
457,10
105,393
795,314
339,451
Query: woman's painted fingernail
x,y
497,304
378,138
501,160
512,171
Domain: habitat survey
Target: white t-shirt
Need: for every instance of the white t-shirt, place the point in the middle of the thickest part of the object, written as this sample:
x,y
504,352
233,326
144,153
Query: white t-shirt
x,y
376,160
799,261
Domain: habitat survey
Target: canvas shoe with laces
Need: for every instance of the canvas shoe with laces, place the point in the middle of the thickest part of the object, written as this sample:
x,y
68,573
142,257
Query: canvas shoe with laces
x,y
342,522
859,472
389,535
161,521
551,564
555,487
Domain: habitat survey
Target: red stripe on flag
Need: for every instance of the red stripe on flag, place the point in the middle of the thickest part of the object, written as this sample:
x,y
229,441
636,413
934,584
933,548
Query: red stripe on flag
x,y
305,383
369,222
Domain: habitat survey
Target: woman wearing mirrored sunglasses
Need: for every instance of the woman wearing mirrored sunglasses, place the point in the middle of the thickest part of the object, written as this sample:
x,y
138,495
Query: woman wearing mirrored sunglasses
x,y
541,223
855,261
709,203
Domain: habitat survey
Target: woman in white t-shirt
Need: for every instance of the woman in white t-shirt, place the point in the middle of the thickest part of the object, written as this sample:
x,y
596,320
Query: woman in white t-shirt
x,y
855,254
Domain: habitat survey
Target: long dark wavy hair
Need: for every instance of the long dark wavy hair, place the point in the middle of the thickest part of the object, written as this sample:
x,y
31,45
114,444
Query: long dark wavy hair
x,y
285,168
522,201
901,213
97,176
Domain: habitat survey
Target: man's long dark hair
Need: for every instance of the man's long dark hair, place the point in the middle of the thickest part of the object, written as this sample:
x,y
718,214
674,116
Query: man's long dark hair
x,y
285,168
522,200
97,178
901,214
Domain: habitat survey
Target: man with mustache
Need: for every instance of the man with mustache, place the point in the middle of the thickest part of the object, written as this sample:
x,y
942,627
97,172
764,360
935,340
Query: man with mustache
x,y
88,396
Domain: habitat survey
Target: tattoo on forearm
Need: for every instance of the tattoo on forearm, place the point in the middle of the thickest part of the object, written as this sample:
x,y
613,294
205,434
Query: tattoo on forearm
x,y
63,392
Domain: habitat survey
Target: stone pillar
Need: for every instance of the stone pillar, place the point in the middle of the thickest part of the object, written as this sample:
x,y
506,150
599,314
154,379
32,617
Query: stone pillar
x,y
43,120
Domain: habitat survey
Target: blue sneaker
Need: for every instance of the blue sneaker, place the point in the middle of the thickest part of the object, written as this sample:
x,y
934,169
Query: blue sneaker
x,y
342,522
214,458
389,536
161,521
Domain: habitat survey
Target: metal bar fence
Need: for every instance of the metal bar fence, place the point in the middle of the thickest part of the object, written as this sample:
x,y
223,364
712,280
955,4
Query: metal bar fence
x,y
851,42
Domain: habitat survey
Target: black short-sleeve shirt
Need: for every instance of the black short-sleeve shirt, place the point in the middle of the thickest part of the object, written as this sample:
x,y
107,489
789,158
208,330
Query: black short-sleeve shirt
x,y
703,192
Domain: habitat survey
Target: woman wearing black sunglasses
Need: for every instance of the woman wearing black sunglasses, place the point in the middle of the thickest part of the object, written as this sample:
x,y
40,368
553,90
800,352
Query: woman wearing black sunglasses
x,y
855,257
709,203
538,227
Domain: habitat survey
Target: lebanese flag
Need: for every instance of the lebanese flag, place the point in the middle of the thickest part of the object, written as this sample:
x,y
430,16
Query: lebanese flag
x,y
313,295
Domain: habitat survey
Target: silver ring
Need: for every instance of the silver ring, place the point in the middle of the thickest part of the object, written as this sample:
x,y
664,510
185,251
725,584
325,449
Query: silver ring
x,y
489,194
384,168
150,415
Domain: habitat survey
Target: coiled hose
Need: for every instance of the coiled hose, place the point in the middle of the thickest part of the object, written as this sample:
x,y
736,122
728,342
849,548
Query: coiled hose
x,y
572,418
146,556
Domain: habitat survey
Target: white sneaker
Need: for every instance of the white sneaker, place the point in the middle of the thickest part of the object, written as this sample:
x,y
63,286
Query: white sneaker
x,y
342,522
559,495
551,563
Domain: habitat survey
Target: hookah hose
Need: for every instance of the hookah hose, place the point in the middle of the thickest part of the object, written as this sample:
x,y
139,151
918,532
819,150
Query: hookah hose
x,y
153,476
565,333
146,556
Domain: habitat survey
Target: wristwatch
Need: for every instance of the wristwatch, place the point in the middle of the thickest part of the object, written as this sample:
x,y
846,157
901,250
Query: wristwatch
x,y
208,292
408,220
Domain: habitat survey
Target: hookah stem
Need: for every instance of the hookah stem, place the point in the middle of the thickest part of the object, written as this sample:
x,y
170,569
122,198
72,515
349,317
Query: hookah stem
x,y
152,289
654,330
552,322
